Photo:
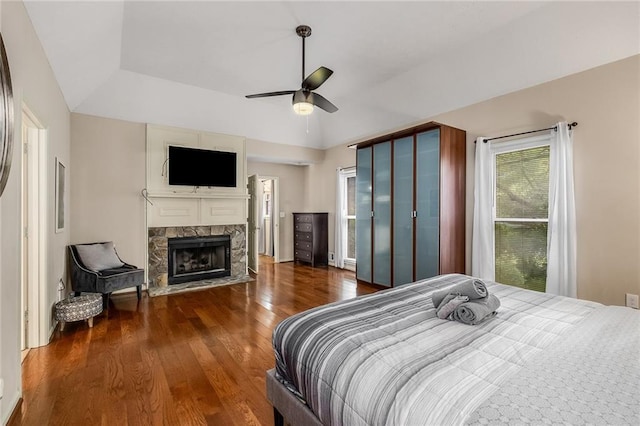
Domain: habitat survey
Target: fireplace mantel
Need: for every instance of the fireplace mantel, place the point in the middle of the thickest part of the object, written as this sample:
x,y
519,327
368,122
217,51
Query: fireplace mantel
x,y
183,211
195,195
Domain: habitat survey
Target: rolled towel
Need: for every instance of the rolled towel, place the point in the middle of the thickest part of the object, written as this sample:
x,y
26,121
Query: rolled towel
x,y
476,311
449,304
473,288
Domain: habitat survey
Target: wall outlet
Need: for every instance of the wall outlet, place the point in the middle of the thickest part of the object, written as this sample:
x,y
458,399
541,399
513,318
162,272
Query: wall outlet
x,y
632,301
282,214
331,256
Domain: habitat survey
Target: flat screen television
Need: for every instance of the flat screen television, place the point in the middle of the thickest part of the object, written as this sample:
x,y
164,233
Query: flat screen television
x,y
201,167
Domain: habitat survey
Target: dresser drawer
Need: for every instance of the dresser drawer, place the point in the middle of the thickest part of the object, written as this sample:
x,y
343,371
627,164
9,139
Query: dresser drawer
x,y
304,227
303,245
303,255
310,241
303,236
304,218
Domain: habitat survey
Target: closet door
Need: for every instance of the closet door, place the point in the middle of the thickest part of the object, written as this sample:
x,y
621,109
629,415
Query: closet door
x,y
382,213
427,204
363,214
403,211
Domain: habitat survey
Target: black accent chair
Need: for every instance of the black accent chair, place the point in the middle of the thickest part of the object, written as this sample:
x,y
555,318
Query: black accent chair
x,y
105,281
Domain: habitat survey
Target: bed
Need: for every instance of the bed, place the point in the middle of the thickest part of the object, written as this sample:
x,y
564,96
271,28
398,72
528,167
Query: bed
x,y
386,359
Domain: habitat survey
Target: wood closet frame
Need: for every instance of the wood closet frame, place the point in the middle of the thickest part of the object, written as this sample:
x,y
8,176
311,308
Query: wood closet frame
x,y
452,193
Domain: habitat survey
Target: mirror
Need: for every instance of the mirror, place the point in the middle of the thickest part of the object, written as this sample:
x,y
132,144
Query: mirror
x,y
6,118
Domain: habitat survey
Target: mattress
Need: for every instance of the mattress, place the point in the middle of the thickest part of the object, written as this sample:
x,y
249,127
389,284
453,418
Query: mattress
x,y
386,359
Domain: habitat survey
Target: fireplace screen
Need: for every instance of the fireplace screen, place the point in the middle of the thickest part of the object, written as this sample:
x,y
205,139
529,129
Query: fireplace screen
x,y
198,258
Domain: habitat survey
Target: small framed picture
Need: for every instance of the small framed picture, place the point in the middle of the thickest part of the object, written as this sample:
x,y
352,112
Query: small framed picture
x,y
60,183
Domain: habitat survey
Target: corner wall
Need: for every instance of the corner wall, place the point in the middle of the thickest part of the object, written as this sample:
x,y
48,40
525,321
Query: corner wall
x,y
34,85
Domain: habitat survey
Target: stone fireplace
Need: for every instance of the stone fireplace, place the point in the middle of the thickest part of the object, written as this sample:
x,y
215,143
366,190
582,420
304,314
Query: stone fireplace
x,y
180,254
198,258
181,211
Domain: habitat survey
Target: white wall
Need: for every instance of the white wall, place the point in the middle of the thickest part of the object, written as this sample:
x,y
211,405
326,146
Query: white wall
x,y
35,86
108,158
322,181
269,152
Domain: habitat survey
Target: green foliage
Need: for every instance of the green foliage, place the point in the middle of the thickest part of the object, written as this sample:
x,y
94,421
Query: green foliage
x,y
522,188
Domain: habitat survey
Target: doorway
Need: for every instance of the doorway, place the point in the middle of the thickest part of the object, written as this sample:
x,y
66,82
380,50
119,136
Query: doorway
x,y
33,199
267,222
264,220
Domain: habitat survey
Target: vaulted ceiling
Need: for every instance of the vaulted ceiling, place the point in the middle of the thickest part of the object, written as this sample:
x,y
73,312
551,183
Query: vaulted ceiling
x,y
190,64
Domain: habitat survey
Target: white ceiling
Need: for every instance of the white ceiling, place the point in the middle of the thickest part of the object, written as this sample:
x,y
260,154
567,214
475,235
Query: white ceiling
x,y
189,64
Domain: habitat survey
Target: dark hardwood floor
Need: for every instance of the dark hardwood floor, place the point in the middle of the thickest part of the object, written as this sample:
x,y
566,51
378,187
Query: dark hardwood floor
x,y
186,359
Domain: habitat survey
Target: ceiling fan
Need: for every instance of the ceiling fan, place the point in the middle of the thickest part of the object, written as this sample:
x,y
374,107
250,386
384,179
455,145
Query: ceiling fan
x,y
304,98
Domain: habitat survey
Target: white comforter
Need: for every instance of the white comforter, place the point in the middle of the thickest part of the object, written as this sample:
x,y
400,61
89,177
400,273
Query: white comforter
x,y
386,359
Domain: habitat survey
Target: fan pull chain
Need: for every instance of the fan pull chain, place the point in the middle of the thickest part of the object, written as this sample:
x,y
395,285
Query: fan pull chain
x,y
307,124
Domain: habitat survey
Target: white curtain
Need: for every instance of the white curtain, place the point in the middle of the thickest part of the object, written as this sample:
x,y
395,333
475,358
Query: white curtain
x,y
482,247
340,218
561,234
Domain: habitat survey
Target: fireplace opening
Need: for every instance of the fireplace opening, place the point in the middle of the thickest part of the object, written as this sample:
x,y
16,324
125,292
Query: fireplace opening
x,y
199,258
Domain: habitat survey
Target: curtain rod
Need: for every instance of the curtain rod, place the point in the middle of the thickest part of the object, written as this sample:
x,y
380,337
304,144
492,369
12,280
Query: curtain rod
x,y
574,124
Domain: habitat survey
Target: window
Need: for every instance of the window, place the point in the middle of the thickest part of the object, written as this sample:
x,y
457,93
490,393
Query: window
x,y
266,198
266,208
351,218
521,206
347,221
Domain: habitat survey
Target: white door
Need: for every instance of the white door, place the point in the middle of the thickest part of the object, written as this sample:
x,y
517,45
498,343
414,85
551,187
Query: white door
x,y
253,228
34,322
25,241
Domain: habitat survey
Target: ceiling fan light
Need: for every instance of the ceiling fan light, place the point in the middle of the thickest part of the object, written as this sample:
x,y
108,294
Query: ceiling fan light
x,y
303,108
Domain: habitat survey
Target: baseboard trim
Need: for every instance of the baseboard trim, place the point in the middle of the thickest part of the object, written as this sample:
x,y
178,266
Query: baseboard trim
x,y
347,266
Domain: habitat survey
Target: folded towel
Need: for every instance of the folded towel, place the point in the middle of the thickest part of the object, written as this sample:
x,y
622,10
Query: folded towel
x,y
472,288
449,304
476,311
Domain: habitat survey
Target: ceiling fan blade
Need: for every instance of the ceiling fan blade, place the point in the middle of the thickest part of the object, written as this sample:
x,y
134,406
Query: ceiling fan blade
x,y
316,78
322,102
268,94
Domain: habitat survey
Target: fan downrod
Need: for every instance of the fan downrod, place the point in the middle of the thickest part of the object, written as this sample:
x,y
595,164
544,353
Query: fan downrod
x,y
303,30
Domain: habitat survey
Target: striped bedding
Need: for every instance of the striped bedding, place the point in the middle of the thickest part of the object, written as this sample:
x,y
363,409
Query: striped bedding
x,y
386,359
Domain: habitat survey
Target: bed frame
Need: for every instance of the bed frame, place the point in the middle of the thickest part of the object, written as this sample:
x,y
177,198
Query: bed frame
x,y
287,406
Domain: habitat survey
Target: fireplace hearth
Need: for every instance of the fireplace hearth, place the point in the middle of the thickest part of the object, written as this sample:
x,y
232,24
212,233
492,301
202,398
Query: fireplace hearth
x,y
198,258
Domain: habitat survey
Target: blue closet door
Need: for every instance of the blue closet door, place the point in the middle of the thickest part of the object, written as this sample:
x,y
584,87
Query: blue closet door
x,y
382,213
363,214
427,204
403,211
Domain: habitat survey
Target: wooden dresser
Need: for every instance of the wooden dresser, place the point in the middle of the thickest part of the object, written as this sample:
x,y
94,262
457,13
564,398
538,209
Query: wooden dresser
x,y
310,238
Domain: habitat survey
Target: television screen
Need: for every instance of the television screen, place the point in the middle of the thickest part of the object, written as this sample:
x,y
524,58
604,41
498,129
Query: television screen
x,y
201,167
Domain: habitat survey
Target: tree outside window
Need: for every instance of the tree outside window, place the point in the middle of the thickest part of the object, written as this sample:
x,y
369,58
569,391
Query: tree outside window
x,y
521,217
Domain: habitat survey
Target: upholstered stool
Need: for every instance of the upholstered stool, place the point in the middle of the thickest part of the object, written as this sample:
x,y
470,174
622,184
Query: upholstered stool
x,y
83,307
